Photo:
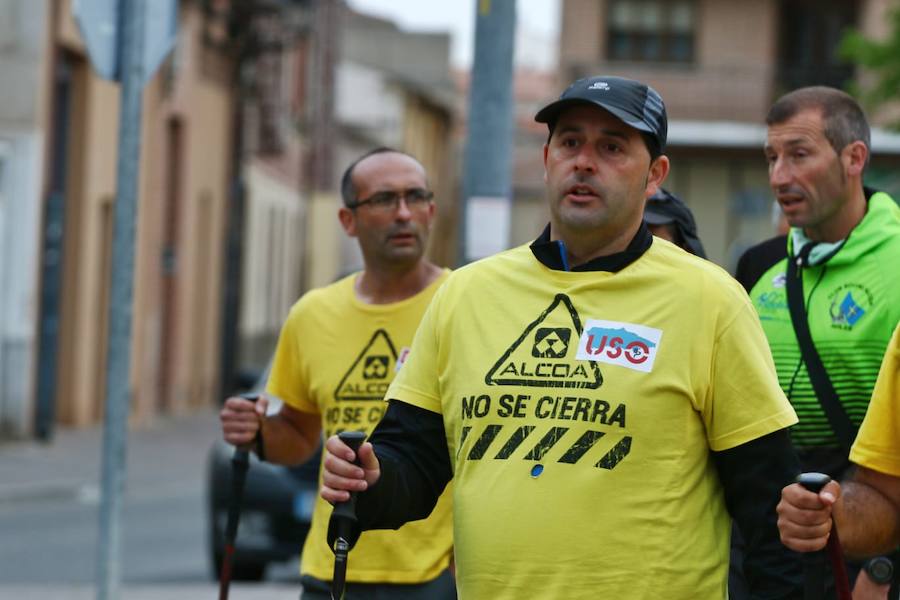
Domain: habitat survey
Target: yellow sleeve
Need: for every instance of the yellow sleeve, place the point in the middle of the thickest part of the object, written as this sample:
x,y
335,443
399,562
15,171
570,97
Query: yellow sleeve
x,y
877,445
289,378
745,401
418,381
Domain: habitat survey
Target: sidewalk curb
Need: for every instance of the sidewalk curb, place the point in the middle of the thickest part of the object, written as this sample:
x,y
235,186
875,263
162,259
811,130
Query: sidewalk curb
x,y
81,491
68,468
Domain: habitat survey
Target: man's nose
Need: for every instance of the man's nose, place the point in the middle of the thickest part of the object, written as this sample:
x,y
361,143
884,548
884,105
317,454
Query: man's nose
x,y
779,173
403,212
586,159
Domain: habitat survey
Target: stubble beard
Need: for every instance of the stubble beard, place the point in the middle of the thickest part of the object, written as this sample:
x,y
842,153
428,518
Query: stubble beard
x,y
581,219
403,257
818,214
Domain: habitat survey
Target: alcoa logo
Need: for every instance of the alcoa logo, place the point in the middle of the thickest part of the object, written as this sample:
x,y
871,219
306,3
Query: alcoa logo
x,y
599,85
370,374
623,344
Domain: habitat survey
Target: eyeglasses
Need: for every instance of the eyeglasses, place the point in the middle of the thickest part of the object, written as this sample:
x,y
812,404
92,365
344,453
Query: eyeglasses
x,y
416,199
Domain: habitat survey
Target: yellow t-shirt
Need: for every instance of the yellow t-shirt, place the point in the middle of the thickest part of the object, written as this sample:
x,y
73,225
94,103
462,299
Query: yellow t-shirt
x,y
877,445
336,357
580,409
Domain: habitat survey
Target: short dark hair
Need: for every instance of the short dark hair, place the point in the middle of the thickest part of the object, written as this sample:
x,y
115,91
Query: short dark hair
x,y
649,141
844,119
348,190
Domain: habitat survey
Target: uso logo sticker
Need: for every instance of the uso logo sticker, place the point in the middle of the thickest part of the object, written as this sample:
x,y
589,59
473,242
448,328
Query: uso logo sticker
x,y
401,358
623,344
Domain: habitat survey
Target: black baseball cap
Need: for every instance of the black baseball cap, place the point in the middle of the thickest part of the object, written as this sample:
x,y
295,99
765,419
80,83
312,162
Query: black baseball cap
x,y
665,208
636,104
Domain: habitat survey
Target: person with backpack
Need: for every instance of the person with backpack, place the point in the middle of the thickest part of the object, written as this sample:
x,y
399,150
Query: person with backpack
x,y
821,293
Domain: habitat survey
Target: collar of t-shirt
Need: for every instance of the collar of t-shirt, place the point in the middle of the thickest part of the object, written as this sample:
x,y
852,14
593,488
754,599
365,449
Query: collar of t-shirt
x,y
552,253
812,253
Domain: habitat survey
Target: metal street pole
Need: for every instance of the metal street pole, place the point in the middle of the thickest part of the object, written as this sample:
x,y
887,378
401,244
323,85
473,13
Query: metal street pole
x,y
130,70
487,180
325,50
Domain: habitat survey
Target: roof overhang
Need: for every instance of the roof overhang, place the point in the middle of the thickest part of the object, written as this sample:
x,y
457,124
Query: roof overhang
x,y
750,136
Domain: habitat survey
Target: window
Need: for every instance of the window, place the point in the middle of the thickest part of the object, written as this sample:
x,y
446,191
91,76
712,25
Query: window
x,y
651,30
810,33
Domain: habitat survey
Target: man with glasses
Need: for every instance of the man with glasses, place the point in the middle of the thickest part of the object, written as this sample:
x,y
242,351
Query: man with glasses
x,y
338,351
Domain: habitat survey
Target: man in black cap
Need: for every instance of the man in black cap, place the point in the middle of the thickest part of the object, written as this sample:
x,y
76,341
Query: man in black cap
x,y
669,218
582,394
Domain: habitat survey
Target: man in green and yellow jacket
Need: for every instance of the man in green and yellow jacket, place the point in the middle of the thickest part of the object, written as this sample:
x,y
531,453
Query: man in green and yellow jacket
x,y
845,243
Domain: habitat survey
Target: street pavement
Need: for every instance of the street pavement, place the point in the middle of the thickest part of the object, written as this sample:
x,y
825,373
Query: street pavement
x,y
165,456
238,591
68,467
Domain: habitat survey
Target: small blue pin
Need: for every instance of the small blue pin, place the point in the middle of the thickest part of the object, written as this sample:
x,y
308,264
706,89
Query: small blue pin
x,y
537,470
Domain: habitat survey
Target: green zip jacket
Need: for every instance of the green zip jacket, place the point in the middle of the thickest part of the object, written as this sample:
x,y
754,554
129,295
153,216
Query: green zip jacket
x,y
853,303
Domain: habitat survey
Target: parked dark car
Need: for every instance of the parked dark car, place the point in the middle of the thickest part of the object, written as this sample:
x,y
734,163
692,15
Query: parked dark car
x,y
276,510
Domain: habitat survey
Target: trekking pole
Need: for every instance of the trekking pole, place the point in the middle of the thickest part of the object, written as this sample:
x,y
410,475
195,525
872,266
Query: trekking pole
x,y
240,462
343,526
814,572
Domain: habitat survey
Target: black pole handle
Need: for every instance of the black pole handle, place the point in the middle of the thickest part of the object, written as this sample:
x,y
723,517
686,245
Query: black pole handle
x,y
814,482
343,526
343,523
355,440
240,462
241,457
814,576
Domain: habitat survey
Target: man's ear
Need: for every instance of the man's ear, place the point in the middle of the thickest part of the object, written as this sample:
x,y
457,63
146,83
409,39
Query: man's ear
x,y
659,170
546,150
854,157
348,220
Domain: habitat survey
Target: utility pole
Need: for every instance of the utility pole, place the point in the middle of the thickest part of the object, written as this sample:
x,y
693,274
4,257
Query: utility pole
x,y
319,157
487,187
131,75
126,40
326,32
